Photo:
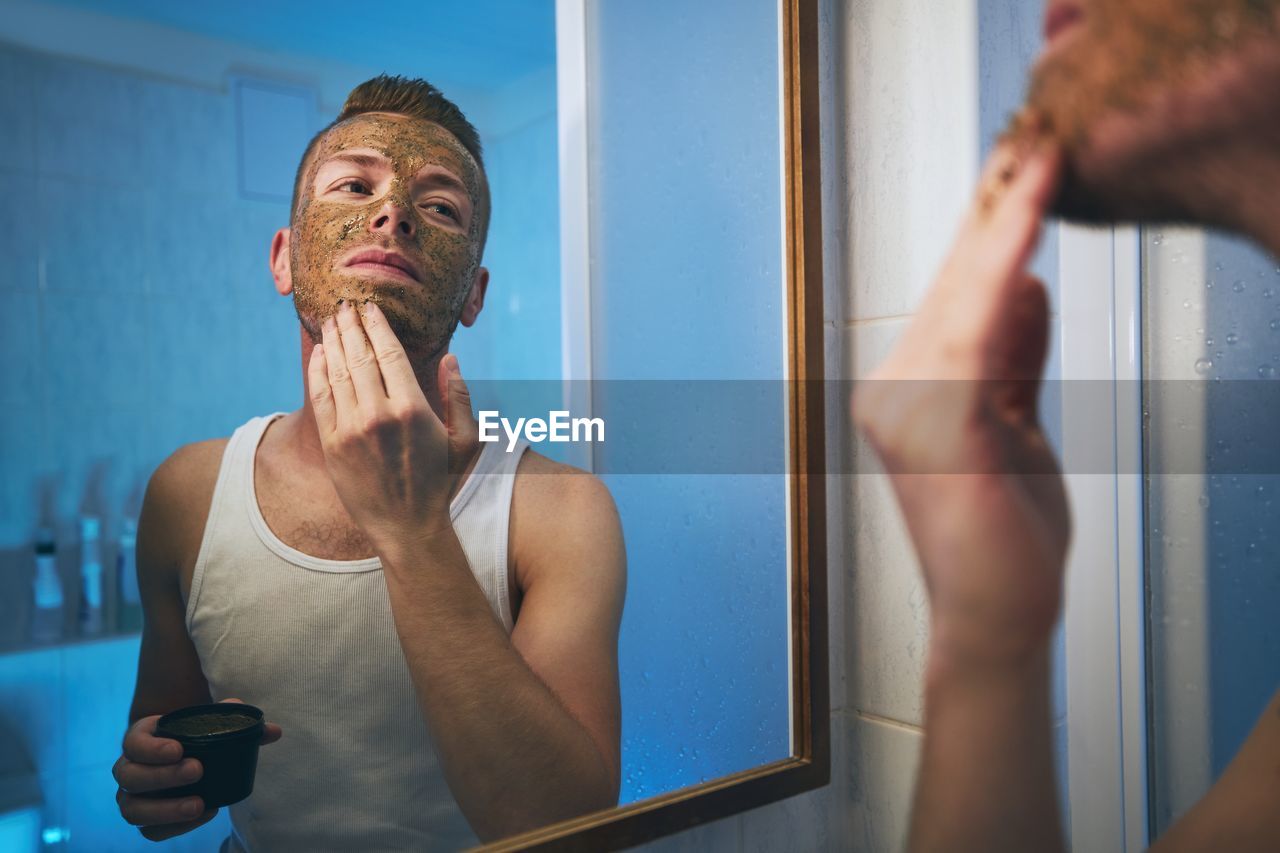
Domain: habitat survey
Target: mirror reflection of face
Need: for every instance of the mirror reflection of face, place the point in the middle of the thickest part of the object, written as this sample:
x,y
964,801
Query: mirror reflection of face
x,y
390,213
1130,86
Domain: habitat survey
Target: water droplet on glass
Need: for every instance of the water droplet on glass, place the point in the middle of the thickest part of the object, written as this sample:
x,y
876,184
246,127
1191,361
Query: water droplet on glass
x,y
1204,501
1275,325
1203,366
1157,238
1208,341
1218,267
1186,303
1267,293
1238,287
1266,371
1232,338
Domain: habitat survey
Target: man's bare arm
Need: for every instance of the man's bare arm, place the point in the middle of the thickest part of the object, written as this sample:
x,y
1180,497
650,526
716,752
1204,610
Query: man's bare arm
x,y
169,674
952,413
527,726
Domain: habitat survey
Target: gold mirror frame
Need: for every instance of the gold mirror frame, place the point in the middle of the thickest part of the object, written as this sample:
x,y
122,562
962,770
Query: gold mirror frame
x,y
809,766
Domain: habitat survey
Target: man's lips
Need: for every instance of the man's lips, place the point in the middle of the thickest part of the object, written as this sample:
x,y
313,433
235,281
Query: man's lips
x,y
382,263
1060,18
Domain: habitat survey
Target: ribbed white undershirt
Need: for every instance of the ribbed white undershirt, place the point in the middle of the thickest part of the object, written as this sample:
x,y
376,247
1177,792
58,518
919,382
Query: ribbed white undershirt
x,y
311,641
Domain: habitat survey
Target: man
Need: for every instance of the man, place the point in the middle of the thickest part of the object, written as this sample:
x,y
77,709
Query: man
x,y
432,627
1156,110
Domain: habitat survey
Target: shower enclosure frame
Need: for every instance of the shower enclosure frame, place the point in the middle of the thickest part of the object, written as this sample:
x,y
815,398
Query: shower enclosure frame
x,y
1105,616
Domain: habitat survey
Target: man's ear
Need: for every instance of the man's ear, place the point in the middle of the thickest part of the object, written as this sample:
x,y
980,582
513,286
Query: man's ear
x,y
280,269
475,299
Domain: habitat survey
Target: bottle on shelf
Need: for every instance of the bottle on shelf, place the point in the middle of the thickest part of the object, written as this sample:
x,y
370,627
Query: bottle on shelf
x,y
90,613
129,610
47,612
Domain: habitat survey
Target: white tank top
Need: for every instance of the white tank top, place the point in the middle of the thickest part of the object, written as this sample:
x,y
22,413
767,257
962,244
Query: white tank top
x,y
311,641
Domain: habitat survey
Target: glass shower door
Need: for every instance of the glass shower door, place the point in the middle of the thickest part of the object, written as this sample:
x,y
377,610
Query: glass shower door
x,y
1211,352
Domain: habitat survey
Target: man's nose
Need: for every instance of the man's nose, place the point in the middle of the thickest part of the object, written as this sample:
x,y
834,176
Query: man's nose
x,y
392,217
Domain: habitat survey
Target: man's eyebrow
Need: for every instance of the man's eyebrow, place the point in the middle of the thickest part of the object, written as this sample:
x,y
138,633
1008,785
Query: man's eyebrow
x,y
368,161
444,179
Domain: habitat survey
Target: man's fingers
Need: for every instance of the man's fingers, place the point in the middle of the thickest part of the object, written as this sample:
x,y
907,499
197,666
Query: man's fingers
x,y
322,404
1018,217
344,393
397,373
135,778
460,420
158,811
143,747
1000,169
162,833
990,259
271,732
361,362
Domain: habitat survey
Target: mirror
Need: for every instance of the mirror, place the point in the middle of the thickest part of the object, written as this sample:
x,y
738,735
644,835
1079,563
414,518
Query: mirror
x,y
653,263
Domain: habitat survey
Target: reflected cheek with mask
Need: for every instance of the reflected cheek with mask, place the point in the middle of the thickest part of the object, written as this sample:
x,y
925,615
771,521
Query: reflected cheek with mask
x,y
1137,89
422,309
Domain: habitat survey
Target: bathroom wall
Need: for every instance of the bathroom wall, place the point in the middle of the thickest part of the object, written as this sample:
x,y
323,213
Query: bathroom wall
x,y
517,336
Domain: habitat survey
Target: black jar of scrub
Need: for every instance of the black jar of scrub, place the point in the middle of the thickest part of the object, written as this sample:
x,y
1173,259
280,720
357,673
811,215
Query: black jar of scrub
x,y
224,738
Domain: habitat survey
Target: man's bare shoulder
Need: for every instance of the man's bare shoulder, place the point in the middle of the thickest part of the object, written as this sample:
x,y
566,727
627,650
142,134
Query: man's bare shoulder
x,y
556,506
177,503
552,487
190,470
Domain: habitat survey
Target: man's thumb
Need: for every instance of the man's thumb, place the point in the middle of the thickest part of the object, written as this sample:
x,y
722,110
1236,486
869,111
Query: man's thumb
x,y
459,419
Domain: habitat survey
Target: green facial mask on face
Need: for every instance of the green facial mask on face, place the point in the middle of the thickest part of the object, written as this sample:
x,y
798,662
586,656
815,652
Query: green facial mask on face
x,y
330,224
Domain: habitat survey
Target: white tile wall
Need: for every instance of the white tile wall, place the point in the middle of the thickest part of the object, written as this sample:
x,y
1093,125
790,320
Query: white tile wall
x,y
880,780
885,604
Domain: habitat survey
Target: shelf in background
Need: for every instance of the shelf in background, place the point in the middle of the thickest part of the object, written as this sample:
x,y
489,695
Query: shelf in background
x,y
66,643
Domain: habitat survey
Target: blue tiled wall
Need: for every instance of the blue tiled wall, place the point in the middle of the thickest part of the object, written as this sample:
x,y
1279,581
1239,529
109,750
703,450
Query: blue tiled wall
x,y
142,313
141,316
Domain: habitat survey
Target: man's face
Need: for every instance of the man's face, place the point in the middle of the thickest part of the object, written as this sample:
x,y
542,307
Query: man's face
x,y
389,212
1135,89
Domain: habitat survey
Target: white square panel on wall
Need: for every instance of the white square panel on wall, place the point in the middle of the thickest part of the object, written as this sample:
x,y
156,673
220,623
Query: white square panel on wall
x,y
274,123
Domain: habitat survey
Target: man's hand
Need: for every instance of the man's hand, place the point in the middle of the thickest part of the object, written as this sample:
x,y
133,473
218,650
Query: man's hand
x,y
151,763
392,462
952,413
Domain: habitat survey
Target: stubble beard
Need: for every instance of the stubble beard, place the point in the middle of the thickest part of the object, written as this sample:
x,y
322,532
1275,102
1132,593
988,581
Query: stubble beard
x,y
1137,105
